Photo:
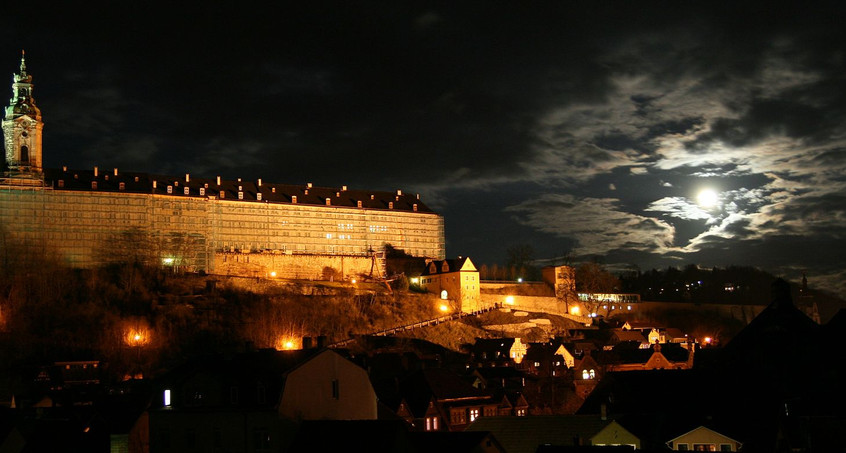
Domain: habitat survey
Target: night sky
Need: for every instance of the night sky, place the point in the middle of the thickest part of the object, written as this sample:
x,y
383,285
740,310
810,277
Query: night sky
x,y
587,130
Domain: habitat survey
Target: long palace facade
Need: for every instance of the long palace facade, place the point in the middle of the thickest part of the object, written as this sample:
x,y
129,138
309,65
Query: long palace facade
x,y
88,217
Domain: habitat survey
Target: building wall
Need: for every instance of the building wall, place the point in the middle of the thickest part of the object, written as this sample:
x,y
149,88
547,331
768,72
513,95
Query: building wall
x,y
85,227
328,387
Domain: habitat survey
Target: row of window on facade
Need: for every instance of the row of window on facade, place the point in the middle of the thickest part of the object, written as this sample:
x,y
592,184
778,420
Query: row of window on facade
x,y
222,194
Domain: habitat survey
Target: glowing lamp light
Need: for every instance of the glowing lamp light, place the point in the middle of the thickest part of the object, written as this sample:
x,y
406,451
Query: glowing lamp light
x,y
708,340
167,261
575,310
509,300
354,281
444,308
415,280
519,279
289,344
273,273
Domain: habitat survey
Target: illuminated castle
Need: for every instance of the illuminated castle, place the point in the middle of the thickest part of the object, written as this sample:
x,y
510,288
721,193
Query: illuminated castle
x,y
88,217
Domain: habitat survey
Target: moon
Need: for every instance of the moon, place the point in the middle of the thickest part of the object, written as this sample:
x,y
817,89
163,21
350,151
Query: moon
x,y
707,198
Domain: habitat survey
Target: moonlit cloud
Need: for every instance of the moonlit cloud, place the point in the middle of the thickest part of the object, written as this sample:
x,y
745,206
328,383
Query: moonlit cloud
x,y
597,225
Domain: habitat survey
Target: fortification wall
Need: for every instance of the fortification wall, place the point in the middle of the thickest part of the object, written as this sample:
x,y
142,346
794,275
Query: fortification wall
x,y
542,304
293,266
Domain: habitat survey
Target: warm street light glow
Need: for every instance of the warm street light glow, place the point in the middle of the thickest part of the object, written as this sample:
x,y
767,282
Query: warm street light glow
x,y
415,280
574,310
136,337
509,300
286,343
273,273
444,308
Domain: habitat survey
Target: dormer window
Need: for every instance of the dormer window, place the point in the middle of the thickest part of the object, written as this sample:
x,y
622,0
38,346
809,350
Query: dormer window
x,y
358,203
94,185
240,195
222,194
122,186
186,191
169,189
202,191
258,196
293,199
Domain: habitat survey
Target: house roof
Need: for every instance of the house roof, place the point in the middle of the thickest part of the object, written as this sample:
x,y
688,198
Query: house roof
x,y
526,434
134,182
491,346
628,335
380,436
435,267
445,386
462,441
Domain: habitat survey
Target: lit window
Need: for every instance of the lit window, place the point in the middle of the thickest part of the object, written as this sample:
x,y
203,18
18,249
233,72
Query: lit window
x,y
167,398
240,195
258,196
169,189
94,185
592,374
186,191
61,183
585,374
474,414
202,191
444,295
122,186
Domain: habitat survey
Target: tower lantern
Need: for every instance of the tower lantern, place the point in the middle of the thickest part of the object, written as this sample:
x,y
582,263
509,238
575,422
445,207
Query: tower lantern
x,y
22,126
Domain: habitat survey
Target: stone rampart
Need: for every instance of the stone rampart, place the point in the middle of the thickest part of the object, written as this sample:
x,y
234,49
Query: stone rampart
x,y
291,266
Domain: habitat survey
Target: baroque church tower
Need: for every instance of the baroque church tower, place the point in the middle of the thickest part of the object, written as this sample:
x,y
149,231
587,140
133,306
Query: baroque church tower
x,y
22,128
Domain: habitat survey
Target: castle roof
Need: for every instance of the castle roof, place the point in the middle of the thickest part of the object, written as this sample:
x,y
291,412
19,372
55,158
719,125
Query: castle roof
x,y
235,190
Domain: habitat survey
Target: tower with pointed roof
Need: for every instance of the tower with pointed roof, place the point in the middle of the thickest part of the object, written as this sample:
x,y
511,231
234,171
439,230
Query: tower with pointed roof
x,y
22,127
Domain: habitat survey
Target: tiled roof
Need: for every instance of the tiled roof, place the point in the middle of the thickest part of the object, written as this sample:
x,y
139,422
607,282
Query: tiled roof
x,y
133,182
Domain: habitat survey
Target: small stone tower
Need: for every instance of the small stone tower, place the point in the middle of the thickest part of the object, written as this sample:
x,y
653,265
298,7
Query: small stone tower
x,y
22,128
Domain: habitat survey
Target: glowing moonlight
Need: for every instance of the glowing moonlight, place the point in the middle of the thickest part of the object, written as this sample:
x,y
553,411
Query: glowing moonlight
x,y
707,198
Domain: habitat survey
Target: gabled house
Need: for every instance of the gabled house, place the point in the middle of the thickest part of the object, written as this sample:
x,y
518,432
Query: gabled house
x,y
455,281
586,374
542,360
496,352
669,356
613,435
528,434
254,400
437,399
703,439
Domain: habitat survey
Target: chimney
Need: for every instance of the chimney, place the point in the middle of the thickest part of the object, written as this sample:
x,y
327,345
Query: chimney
x,y
95,171
306,342
321,341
